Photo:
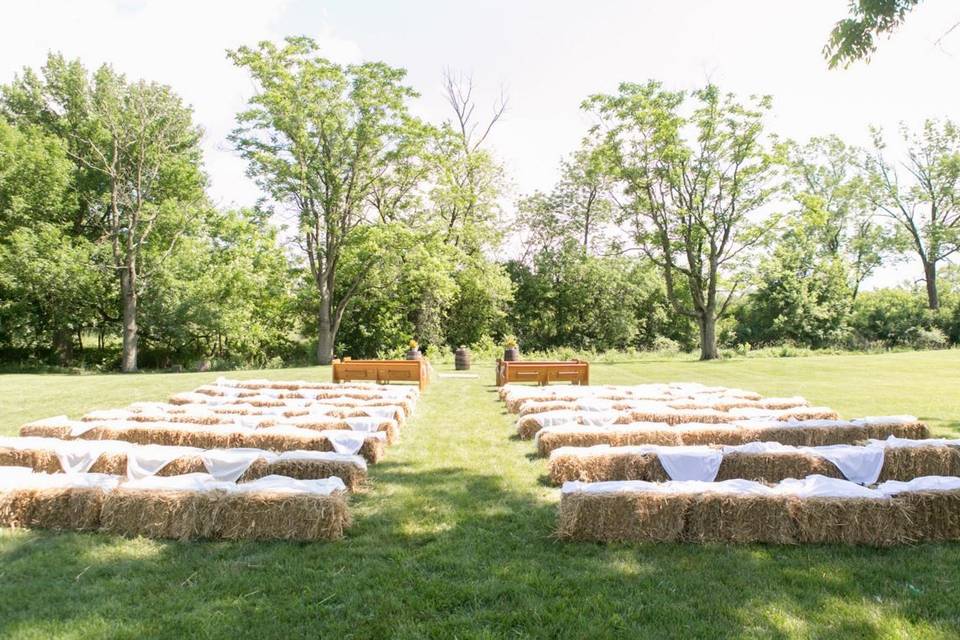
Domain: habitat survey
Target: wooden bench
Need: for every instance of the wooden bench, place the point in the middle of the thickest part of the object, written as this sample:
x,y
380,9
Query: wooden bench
x,y
382,371
545,372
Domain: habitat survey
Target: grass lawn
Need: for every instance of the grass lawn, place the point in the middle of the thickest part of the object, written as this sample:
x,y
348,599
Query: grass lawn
x,y
453,537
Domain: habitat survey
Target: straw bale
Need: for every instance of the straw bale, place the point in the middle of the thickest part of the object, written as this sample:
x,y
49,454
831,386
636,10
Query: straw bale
x,y
935,514
616,517
738,518
66,508
282,516
387,426
547,442
114,464
183,465
680,416
45,431
527,427
352,475
909,430
15,507
186,418
608,466
774,467
706,435
535,406
180,515
10,457
907,463
866,521
372,450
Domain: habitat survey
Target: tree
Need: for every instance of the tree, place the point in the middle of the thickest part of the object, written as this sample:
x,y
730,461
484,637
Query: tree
x,y
803,295
226,293
923,195
468,181
578,207
692,183
137,140
834,211
323,139
854,38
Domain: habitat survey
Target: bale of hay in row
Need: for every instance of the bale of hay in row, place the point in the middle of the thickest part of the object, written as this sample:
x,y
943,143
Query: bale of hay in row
x,y
656,515
61,502
185,515
271,512
529,425
306,398
802,434
604,463
722,404
515,395
293,385
369,445
300,465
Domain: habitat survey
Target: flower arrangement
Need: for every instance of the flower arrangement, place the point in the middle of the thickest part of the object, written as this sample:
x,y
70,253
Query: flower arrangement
x,y
510,342
413,344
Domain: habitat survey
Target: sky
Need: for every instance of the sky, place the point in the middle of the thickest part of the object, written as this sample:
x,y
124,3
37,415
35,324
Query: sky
x,y
545,56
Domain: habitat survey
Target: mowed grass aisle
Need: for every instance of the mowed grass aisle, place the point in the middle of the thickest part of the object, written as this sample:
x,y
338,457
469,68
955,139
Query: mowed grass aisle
x,y
452,539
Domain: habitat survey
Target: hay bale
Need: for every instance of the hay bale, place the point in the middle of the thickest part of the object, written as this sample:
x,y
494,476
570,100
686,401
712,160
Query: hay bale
x,y
681,416
282,516
388,427
179,515
114,464
611,465
182,466
352,475
588,437
15,507
774,467
527,427
935,514
739,519
536,406
866,521
372,449
910,430
66,508
808,436
907,463
622,517
10,457
45,431
706,435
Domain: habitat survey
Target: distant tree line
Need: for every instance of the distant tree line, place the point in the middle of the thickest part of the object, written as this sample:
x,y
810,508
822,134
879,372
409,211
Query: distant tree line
x,y
680,222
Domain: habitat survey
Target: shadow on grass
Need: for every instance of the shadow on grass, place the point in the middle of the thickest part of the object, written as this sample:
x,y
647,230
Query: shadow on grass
x,y
444,552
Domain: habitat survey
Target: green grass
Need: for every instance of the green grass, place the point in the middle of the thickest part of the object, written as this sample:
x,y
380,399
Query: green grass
x,y
453,537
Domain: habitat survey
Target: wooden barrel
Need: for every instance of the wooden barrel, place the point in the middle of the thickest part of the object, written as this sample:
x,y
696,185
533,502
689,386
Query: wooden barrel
x,y
461,359
512,354
413,354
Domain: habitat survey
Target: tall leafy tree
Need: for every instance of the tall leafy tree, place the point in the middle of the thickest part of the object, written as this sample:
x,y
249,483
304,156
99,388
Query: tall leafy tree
x,y
323,139
579,207
834,210
922,194
693,181
138,143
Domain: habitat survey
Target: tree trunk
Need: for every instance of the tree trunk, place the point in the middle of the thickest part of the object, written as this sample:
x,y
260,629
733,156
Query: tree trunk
x,y
325,334
63,346
708,337
128,295
930,275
